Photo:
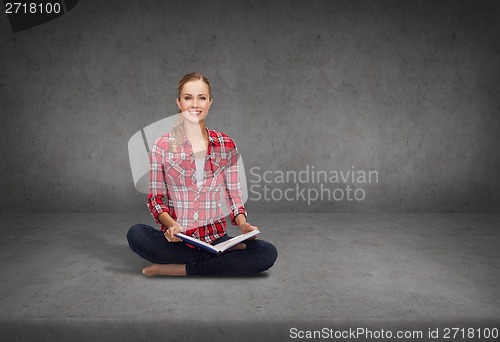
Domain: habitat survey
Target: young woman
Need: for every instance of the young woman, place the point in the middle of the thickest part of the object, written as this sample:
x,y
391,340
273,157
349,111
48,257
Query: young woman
x,y
189,166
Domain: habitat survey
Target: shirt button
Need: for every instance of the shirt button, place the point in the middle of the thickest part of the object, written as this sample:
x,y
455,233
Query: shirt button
x,y
195,216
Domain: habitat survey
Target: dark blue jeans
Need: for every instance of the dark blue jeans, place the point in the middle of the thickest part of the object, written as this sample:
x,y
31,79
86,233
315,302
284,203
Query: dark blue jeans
x,y
150,243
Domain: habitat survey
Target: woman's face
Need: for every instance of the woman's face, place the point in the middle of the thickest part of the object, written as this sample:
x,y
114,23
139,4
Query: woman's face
x,y
194,101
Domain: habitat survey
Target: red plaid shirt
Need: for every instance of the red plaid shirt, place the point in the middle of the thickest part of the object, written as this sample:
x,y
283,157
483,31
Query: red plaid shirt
x,y
173,186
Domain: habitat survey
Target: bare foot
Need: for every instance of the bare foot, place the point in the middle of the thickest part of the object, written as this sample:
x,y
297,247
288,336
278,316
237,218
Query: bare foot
x,y
164,269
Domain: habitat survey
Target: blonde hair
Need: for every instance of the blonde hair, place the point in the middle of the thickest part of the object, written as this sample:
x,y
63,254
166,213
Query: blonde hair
x,y
178,129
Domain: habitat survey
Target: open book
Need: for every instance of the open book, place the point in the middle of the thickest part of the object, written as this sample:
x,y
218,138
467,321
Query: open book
x,y
220,247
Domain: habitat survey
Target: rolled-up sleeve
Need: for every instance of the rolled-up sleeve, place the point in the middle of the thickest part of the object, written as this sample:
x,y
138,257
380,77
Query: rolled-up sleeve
x,y
157,189
234,194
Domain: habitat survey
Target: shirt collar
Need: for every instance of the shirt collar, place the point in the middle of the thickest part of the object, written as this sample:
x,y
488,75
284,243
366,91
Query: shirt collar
x,y
212,137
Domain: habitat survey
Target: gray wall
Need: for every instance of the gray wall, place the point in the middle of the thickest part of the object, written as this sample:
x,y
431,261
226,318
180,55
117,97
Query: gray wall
x,y
409,89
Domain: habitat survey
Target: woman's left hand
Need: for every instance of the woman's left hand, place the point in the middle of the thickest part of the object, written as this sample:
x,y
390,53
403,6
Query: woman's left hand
x,y
247,228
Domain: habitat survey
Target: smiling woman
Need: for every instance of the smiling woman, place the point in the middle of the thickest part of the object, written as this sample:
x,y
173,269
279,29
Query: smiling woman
x,y
190,167
193,108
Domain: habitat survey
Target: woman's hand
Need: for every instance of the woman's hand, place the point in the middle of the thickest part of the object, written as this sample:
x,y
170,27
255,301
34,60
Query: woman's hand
x,y
244,226
247,228
170,233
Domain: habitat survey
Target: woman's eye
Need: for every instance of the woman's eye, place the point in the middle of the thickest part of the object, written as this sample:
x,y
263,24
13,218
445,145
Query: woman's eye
x,y
203,98
187,98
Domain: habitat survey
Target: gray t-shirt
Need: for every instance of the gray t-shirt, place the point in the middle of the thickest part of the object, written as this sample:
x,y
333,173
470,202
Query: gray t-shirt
x,y
200,163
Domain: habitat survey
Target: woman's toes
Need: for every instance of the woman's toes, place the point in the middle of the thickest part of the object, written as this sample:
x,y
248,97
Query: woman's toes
x,y
149,271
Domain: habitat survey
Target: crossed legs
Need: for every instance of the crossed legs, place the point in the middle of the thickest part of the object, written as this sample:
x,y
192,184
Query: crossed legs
x,y
177,259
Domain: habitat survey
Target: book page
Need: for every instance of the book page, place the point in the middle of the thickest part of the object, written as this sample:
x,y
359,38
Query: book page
x,y
196,242
235,240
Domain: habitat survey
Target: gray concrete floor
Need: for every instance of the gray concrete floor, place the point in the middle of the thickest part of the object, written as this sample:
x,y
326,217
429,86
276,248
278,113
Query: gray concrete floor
x,y
75,273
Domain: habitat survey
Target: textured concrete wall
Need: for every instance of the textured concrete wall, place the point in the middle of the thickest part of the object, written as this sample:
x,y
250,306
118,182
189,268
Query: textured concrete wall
x,y
409,89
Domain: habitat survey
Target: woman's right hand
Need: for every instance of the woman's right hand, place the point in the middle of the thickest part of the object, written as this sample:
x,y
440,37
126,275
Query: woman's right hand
x,y
170,233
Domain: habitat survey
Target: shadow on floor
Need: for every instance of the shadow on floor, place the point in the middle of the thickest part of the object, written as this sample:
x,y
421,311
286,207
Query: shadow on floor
x,y
118,257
